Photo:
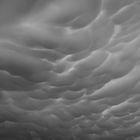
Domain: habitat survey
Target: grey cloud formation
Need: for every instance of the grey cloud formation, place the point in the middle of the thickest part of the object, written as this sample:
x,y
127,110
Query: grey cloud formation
x,y
70,70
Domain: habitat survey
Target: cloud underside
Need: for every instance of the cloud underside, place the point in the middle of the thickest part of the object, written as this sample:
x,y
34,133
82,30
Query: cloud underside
x,y
72,74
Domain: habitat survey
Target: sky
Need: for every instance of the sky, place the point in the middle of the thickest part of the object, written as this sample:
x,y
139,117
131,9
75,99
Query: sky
x,y
70,70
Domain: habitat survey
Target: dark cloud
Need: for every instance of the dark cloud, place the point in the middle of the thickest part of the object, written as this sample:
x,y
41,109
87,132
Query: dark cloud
x,y
70,70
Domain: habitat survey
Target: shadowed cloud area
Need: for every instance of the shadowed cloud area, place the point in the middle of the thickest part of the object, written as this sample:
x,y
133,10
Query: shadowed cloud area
x,y
69,69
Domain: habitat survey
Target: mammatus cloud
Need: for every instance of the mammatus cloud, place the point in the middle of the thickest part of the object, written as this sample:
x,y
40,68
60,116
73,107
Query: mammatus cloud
x,y
70,70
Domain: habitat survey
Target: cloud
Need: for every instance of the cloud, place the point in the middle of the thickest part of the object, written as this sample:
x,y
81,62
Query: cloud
x,y
71,81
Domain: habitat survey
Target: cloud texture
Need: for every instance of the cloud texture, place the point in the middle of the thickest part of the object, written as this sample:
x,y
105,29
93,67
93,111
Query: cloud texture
x,y
70,70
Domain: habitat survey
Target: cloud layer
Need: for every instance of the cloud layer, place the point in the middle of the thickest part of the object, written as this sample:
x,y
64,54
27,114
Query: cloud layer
x,y
71,73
